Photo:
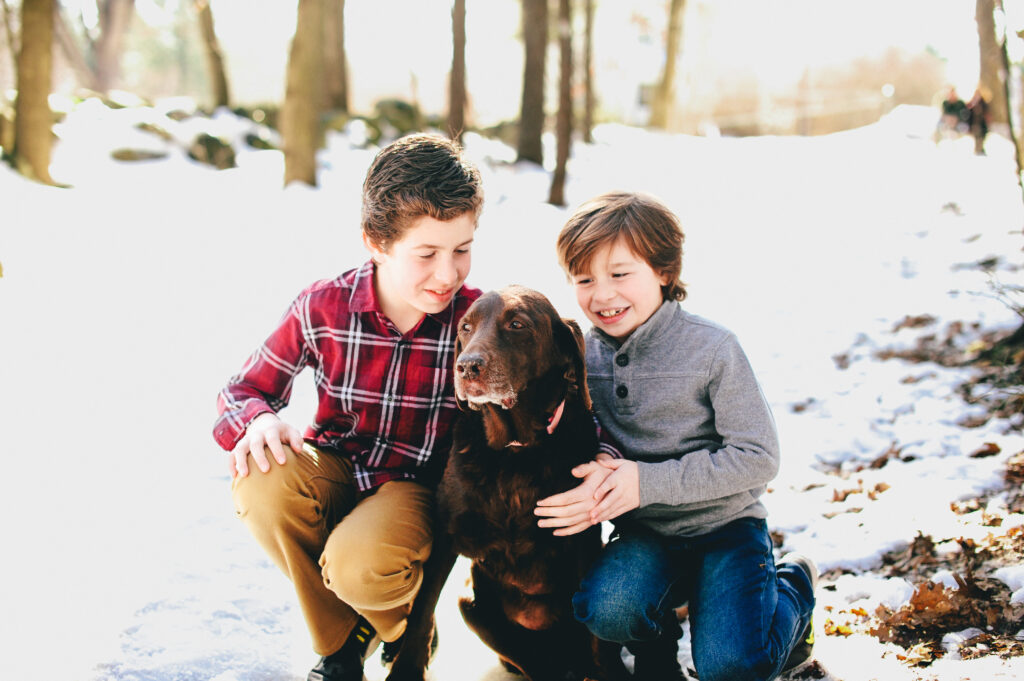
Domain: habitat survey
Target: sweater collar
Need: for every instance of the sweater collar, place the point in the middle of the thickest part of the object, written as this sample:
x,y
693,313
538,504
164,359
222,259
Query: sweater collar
x,y
650,329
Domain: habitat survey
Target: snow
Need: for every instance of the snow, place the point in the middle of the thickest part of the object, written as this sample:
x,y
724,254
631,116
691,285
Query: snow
x,y
128,298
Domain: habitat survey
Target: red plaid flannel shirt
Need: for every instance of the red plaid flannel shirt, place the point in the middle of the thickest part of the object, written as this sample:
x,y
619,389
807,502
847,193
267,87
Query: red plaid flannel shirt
x,y
386,401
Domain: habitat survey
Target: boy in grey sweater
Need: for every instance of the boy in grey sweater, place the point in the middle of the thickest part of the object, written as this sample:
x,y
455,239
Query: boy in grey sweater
x,y
699,445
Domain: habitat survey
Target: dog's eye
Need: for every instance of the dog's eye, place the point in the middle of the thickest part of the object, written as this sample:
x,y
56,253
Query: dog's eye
x,y
465,327
516,324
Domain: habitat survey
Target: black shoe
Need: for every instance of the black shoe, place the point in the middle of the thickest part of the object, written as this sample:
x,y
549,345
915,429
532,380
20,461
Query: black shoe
x,y
802,651
804,648
389,651
658,660
347,663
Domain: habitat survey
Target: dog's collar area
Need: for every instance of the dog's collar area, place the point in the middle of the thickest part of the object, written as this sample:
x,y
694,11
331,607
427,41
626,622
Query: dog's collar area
x,y
553,421
556,417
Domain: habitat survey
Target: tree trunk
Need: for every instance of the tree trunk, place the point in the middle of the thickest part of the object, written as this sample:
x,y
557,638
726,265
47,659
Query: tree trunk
x,y
665,93
71,50
1020,119
300,115
531,114
992,76
32,116
12,45
564,122
1004,56
335,60
457,84
588,72
115,18
214,56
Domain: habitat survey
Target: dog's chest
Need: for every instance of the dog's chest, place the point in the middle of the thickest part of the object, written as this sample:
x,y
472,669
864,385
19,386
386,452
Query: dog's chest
x,y
491,508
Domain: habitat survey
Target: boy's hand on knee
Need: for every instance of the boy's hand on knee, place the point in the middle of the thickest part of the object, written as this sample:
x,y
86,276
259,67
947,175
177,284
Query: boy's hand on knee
x,y
570,512
266,431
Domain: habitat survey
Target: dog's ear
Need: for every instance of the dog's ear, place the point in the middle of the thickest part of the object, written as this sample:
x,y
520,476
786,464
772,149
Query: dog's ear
x,y
570,341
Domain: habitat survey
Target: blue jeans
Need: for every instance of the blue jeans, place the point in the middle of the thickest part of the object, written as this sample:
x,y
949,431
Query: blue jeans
x,y
745,616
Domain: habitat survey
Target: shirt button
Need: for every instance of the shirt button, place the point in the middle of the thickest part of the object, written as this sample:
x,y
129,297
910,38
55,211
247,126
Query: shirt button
x,y
622,360
622,391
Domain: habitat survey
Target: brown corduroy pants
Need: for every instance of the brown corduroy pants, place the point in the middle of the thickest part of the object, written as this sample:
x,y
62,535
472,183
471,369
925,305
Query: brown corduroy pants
x,y
346,553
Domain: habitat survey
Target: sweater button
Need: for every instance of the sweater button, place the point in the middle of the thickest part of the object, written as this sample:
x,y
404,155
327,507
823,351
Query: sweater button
x,y
622,360
622,391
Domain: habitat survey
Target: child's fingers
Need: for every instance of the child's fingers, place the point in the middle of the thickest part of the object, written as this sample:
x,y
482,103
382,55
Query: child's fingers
x,y
295,440
583,469
604,489
276,449
237,468
259,455
564,522
562,499
578,527
563,511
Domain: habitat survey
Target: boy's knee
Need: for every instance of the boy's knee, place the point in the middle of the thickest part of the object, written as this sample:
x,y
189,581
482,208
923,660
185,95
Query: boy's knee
x,y
264,497
611,620
371,575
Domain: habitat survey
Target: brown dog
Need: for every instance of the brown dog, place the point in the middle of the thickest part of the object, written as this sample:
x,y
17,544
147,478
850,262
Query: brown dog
x,y
521,380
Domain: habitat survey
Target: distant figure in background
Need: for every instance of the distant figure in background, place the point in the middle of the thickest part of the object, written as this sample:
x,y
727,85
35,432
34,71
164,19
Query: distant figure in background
x,y
955,116
978,108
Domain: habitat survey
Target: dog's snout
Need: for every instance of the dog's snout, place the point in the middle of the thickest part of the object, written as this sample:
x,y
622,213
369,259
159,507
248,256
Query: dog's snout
x,y
469,366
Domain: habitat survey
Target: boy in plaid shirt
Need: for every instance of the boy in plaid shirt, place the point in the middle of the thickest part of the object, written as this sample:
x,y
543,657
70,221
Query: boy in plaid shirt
x,y
345,508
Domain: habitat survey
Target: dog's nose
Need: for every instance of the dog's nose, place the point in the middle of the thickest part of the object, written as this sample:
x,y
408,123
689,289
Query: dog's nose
x,y
469,366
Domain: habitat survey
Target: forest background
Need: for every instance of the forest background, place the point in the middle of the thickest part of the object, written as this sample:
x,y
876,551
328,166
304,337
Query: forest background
x,y
512,69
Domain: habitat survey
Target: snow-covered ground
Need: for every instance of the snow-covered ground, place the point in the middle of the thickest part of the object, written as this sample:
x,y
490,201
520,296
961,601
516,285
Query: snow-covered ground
x,y
128,299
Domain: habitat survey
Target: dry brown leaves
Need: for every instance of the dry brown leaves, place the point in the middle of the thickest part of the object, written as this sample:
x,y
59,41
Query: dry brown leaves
x,y
935,610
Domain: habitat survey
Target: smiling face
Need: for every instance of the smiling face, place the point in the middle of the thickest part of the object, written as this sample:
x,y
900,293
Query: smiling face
x,y
618,290
421,272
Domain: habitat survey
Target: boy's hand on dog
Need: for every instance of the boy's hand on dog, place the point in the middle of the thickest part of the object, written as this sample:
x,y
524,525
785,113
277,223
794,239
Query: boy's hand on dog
x,y
266,431
570,512
619,492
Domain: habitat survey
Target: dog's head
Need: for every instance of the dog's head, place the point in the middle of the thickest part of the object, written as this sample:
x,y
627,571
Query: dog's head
x,y
512,340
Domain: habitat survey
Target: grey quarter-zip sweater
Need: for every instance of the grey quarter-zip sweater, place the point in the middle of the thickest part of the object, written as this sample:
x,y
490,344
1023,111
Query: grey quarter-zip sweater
x,y
680,397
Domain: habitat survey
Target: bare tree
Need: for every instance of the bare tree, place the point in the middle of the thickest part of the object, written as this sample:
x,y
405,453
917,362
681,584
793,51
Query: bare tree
x,y
9,32
300,115
115,18
664,94
457,82
1014,137
564,121
992,76
531,114
335,59
32,115
214,56
588,71
69,48
97,65
7,116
